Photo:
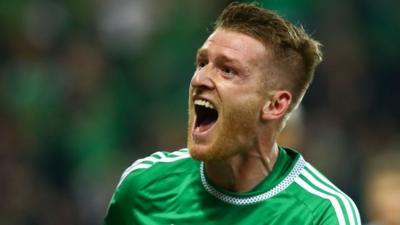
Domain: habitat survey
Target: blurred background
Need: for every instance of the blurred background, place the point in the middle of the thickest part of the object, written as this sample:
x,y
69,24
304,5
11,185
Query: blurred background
x,y
87,87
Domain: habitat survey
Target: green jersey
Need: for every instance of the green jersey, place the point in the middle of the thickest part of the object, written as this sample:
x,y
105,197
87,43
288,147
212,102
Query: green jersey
x,y
172,188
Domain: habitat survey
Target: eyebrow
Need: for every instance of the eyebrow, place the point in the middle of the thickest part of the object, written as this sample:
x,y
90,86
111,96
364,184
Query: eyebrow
x,y
202,51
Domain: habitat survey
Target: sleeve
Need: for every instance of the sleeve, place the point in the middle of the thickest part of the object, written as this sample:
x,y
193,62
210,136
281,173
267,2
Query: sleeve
x,y
119,210
338,216
125,201
121,207
328,218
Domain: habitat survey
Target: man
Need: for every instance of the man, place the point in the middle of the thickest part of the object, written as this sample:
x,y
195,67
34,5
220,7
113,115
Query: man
x,y
252,72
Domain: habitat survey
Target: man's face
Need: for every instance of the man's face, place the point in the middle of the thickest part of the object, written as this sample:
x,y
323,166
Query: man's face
x,y
226,96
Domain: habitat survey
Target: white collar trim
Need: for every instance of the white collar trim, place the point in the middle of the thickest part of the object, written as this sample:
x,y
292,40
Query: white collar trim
x,y
298,167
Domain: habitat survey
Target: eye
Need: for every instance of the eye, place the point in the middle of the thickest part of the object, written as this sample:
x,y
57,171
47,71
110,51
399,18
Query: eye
x,y
228,71
200,64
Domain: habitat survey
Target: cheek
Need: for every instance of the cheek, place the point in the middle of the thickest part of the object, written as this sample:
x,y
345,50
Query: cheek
x,y
242,100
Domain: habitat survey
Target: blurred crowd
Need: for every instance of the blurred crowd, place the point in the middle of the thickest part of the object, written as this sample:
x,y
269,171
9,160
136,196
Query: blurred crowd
x,y
87,87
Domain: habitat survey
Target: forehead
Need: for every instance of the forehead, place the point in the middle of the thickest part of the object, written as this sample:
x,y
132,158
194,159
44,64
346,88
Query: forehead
x,y
234,45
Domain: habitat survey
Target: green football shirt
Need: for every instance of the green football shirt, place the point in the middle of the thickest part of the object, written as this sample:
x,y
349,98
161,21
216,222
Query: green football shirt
x,y
172,188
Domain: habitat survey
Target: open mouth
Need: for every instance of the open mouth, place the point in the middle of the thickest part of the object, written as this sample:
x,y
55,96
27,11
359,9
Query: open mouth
x,y
206,115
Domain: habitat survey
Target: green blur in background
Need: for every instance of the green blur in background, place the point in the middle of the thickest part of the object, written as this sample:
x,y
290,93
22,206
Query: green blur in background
x,y
88,87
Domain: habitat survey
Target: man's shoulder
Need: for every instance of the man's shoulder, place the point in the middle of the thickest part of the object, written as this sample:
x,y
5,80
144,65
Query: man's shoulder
x,y
157,166
325,201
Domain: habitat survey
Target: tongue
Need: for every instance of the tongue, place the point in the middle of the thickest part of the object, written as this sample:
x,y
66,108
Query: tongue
x,y
206,125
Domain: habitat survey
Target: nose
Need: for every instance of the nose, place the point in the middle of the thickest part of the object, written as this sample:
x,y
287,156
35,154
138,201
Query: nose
x,y
202,78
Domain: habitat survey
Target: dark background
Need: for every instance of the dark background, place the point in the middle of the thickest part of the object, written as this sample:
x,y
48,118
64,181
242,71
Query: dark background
x,y
88,87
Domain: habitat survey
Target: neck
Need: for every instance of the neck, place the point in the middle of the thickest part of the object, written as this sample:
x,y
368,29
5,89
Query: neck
x,y
243,172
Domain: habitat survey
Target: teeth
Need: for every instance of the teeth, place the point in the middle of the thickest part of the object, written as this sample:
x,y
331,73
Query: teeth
x,y
204,103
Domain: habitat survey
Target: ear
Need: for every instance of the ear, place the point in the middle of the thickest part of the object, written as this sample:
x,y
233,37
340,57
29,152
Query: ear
x,y
276,106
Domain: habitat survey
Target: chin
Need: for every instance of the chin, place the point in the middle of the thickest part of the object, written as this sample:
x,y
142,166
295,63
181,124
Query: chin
x,y
211,153
202,152
197,152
